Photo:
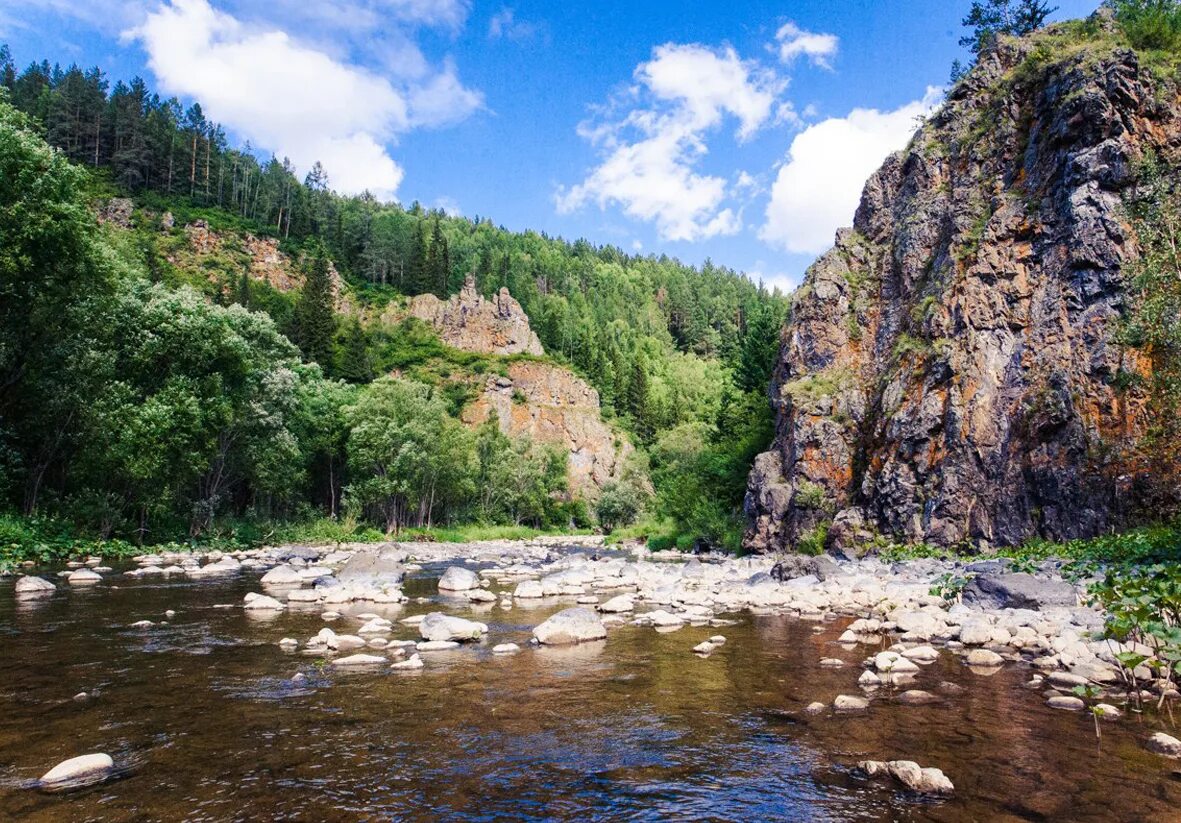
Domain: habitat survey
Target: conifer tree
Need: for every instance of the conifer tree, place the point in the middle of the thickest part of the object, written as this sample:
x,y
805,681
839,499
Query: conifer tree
x,y
315,311
417,273
639,401
356,366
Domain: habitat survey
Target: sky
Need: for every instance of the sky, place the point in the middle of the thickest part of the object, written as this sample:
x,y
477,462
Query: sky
x,y
738,131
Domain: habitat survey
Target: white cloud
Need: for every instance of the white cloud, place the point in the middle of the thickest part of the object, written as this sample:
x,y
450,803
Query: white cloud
x,y
818,187
651,153
794,42
505,24
296,99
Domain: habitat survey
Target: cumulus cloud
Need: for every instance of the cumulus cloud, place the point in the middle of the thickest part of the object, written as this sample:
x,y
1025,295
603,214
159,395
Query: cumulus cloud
x,y
296,99
817,189
651,153
793,42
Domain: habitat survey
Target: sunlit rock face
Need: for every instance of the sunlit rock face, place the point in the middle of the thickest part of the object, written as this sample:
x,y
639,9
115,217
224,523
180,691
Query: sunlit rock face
x,y
468,321
951,369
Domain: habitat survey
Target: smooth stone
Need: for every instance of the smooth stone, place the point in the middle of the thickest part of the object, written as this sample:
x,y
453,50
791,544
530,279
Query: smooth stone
x,y
1065,680
80,696
505,648
439,626
263,603
916,697
815,708
30,586
923,654
458,579
570,626
437,645
1161,743
831,662
281,576
617,604
84,577
869,680
983,658
850,703
288,643
529,590
718,640
412,662
1106,711
705,647
480,596
361,660
142,624
84,768
1066,702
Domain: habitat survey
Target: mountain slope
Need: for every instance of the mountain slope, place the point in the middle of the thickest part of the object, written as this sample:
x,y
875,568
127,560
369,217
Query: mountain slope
x,y
952,369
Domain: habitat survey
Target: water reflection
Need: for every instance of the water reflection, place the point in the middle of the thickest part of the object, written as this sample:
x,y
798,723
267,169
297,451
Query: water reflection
x,y
221,723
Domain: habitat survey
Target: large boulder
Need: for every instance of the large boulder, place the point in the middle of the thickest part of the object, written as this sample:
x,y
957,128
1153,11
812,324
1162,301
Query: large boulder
x,y
439,626
371,567
458,579
34,587
793,566
570,626
282,576
1018,591
910,774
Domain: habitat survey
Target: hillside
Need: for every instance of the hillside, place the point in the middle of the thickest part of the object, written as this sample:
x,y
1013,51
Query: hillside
x,y
972,363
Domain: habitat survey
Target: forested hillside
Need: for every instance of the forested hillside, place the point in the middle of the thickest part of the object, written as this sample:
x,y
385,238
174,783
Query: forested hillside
x,y
680,356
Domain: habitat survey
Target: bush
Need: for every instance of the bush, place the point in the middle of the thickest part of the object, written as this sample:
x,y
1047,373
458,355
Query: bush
x,y
1150,25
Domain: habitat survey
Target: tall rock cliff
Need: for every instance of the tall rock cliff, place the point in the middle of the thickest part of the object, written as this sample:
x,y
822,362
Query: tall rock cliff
x,y
951,370
467,321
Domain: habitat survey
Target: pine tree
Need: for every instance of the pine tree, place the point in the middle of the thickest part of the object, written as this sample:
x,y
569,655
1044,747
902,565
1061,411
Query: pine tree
x,y
315,312
438,263
355,364
243,296
417,274
757,349
639,401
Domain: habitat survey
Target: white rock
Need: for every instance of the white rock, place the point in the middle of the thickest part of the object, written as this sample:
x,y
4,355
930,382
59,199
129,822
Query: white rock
x,y
87,767
662,618
1067,702
923,654
412,662
263,603
984,658
439,626
375,626
1161,743
288,643
84,577
437,645
705,647
458,579
282,576
910,774
361,660
617,604
505,648
831,662
815,708
570,626
849,703
718,640
33,587
529,590
869,680
142,624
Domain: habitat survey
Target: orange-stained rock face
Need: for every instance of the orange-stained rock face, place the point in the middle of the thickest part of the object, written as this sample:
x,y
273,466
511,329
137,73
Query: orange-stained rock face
x,y
552,405
949,369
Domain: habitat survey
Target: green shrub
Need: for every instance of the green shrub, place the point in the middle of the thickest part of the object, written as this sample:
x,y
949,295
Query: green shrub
x,y
1150,25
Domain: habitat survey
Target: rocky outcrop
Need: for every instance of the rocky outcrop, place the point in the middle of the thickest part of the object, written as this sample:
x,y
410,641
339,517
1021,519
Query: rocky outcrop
x,y
265,261
552,405
951,370
470,322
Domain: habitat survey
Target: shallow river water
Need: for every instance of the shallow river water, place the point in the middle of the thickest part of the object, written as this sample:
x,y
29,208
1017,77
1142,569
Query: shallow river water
x,y
205,723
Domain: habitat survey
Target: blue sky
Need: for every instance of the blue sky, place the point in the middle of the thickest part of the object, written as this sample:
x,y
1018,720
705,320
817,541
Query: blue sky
x,y
739,131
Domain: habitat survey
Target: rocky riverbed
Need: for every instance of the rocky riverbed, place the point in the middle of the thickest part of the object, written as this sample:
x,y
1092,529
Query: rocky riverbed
x,y
849,690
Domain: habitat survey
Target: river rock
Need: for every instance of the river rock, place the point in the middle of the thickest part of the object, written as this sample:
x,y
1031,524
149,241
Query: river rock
x,y
439,626
529,590
850,703
923,654
29,586
479,596
437,645
282,576
1067,702
983,658
831,662
1165,744
458,579
84,577
506,648
412,662
570,626
87,768
361,660
910,774
815,707
371,568
975,632
1018,591
617,604
704,647
260,602
916,697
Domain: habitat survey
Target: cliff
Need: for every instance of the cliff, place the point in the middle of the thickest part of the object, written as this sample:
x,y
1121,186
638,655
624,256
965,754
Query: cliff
x,y
553,405
951,369
469,322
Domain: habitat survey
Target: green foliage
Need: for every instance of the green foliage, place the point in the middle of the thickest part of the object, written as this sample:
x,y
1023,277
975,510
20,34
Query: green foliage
x,y
809,495
812,542
950,585
989,18
315,313
1149,25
